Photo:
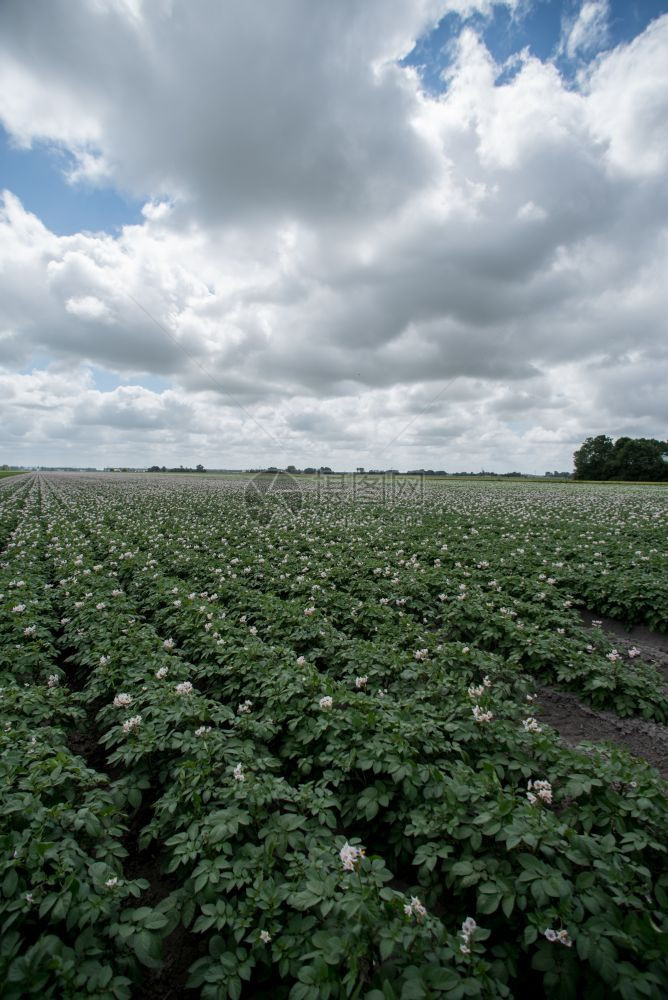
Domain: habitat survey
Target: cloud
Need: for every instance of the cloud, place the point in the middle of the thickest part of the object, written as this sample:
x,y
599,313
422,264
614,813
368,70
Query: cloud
x,y
627,103
531,212
587,32
87,307
240,110
327,251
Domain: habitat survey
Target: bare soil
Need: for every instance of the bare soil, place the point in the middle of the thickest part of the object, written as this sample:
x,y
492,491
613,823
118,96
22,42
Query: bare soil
x,y
652,645
577,723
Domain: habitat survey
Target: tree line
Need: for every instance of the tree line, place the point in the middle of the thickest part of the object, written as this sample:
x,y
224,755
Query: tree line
x,y
181,468
600,457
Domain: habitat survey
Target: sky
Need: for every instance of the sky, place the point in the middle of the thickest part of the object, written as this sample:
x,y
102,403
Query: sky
x,y
389,234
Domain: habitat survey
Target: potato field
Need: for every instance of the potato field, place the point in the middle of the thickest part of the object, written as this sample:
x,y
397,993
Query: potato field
x,y
283,739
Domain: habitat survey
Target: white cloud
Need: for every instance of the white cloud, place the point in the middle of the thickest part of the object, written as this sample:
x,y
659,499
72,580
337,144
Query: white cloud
x,y
88,167
531,212
87,307
327,246
587,32
627,103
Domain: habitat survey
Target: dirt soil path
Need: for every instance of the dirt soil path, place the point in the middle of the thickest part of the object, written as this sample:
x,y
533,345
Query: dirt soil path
x,y
652,645
576,722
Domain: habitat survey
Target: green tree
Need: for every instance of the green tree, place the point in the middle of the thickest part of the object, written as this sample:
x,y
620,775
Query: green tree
x,y
638,458
625,459
592,458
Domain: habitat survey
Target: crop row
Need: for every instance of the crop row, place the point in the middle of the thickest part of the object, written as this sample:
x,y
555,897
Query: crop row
x,y
316,721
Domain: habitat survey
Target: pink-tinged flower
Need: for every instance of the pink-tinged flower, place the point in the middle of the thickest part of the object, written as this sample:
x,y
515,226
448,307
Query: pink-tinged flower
x,y
184,688
122,700
469,928
351,856
480,715
531,725
539,791
561,937
130,725
326,703
415,909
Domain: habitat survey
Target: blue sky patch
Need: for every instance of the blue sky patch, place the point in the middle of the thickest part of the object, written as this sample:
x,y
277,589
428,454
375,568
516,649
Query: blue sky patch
x,y
106,381
537,26
36,176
